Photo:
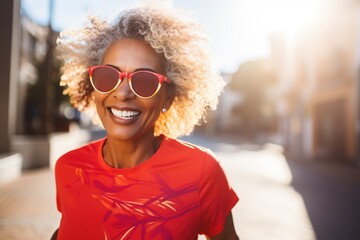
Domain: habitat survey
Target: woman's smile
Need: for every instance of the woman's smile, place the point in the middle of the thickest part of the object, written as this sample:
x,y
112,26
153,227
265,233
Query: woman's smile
x,y
123,114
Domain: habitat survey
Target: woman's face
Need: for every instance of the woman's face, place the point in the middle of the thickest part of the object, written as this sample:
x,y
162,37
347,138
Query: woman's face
x,y
124,115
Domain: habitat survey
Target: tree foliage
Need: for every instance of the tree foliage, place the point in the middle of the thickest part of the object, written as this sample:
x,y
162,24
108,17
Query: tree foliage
x,y
255,80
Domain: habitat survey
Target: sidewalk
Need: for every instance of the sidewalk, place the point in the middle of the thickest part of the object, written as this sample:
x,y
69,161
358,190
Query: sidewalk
x,y
269,207
27,207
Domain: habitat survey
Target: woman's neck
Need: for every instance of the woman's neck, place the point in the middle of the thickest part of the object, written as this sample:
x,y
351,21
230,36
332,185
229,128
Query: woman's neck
x,y
127,154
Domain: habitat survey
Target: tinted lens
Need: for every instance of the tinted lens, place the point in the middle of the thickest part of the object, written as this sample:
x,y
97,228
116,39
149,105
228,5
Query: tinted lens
x,y
105,78
144,84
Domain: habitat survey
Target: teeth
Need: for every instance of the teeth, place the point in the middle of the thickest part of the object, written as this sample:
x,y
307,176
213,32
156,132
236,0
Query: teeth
x,y
124,114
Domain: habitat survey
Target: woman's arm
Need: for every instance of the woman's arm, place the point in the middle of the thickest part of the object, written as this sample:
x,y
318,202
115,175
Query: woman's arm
x,y
54,236
228,233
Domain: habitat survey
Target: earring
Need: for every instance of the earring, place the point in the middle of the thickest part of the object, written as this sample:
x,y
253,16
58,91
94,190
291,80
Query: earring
x,y
163,110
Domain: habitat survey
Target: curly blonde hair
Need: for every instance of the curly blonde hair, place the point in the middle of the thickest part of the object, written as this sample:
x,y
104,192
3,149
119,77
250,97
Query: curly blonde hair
x,y
172,33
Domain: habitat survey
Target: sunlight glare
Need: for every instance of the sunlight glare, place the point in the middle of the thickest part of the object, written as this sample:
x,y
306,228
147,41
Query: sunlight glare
x,y
286,16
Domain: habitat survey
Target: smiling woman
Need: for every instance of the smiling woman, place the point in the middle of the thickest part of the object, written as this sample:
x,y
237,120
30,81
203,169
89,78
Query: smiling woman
x,y
85,47
148,78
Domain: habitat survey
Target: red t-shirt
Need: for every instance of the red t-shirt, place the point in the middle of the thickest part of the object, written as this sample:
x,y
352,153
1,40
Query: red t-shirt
x,y
178,193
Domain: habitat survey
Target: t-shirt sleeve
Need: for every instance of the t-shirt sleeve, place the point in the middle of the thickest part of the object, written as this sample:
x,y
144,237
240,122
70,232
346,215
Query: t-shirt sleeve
x,y
217,198
58,205
57,183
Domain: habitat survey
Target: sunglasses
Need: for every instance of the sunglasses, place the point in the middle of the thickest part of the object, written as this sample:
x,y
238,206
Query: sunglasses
x,y
144,84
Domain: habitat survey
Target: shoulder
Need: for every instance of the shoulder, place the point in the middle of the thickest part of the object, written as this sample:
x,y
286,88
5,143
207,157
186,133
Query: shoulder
x,y
182,146
201,160
89,150
197,155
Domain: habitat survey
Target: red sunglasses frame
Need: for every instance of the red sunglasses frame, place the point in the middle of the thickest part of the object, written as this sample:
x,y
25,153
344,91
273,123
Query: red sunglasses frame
x,y
161,78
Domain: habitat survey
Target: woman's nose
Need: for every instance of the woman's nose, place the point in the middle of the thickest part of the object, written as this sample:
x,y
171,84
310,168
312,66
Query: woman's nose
x,y
123,91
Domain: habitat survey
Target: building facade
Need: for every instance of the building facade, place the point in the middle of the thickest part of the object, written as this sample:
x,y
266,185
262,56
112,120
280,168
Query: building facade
x,y
318,87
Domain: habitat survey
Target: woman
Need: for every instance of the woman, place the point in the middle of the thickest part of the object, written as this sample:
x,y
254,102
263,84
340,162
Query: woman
x,y
149,78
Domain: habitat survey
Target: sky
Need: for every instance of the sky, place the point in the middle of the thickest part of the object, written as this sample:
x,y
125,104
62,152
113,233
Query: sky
x,y
238,30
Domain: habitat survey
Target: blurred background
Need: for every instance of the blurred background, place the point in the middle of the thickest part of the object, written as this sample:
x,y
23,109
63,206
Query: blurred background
x,y
287,128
